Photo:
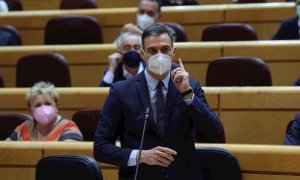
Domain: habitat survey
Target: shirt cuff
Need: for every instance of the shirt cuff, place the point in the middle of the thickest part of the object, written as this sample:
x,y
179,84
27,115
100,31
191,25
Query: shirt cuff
x,y
132,158
189,101
108,77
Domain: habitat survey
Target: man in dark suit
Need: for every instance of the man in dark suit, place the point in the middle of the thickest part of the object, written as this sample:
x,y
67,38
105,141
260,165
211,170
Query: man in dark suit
x,y
7,38
293,135
289,28
177,106
126,61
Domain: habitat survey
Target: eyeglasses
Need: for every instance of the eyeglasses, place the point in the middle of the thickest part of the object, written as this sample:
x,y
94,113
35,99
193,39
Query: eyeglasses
x,y
129,48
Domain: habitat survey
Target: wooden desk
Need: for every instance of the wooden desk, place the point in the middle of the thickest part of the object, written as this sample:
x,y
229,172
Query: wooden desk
x,y
265,18
256,115
54,4
257,162
88,62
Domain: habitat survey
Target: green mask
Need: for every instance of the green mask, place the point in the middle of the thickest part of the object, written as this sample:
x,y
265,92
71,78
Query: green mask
x,y
298,10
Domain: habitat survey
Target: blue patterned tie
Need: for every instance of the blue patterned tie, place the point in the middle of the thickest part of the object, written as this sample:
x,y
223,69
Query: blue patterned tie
x,y
160,108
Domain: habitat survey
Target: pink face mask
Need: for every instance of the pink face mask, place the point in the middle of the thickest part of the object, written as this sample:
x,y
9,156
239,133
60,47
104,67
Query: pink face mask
x,y
44,114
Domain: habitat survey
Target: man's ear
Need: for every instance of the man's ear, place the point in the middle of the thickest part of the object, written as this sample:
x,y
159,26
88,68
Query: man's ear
x,y
174,52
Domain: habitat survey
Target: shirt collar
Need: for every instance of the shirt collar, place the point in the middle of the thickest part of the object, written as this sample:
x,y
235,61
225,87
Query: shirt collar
x,y
152,82
127,75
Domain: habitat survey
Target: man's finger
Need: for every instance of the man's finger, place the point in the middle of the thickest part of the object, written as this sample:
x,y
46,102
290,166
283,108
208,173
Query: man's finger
x,y
180,64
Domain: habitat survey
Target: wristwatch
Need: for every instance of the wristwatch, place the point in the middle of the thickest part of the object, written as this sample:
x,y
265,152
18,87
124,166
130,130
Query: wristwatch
x,y
190,90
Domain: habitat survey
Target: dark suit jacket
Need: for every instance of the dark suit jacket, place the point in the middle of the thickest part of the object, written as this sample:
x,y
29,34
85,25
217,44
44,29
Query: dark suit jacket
x,y
118,75
123,117
296,83
293,135
7,38
288,30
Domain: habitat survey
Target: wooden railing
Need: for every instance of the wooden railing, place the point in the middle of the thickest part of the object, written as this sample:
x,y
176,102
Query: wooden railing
x,y
88,62
257,162
250,115
54,4
264,17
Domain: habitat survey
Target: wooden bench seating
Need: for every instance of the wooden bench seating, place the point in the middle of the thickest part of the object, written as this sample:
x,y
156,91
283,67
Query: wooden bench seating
x,y
88,62
250,115
54,4
257,162
265,18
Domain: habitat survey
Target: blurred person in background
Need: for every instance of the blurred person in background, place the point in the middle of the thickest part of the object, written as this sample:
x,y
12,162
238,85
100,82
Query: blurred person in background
x,y
289,28
46,125
126,61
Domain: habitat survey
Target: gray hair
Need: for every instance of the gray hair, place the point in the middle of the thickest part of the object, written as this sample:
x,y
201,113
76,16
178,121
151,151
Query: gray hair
x,y
42,88
124,35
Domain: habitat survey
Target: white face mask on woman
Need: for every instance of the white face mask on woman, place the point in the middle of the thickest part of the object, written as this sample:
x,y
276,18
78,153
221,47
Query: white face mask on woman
x,y
159,63
144,21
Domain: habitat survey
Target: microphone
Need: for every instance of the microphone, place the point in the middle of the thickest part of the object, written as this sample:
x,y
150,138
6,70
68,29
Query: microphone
x,y
141,146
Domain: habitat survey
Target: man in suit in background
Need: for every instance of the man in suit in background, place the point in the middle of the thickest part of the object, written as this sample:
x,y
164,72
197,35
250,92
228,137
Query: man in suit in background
x,y
126,61
289,29
148,13
177,106
293,134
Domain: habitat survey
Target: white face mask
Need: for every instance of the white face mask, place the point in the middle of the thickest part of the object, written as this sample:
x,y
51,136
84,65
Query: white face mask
x,y
144,21
159,63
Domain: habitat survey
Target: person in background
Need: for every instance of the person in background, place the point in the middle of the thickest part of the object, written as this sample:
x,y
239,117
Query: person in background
x,y
289,29
179,2
148,13
126,61
173,104
6,38
46,125
296,83
293,134
3,6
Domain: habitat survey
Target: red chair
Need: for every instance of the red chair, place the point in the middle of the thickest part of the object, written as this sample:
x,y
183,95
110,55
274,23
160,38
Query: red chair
x,y
43,67
87,120
9,121
78,4
181,35
14,5
69,29
17,40
229,32
238,71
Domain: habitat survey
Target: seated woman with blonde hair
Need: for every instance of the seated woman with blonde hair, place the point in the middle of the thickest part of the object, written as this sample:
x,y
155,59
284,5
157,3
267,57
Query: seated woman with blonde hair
x,y
46,125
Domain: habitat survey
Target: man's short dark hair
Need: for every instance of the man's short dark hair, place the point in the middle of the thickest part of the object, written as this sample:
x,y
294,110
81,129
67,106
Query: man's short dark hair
x,y
158,2
155,30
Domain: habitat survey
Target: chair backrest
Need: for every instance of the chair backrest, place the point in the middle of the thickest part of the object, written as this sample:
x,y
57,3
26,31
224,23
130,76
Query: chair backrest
x,y
78,4
43,67
73,29
218,164
16,36
1,82
87,120
238,71
67,167
9,121
229,32
251,1
181,35
14,5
